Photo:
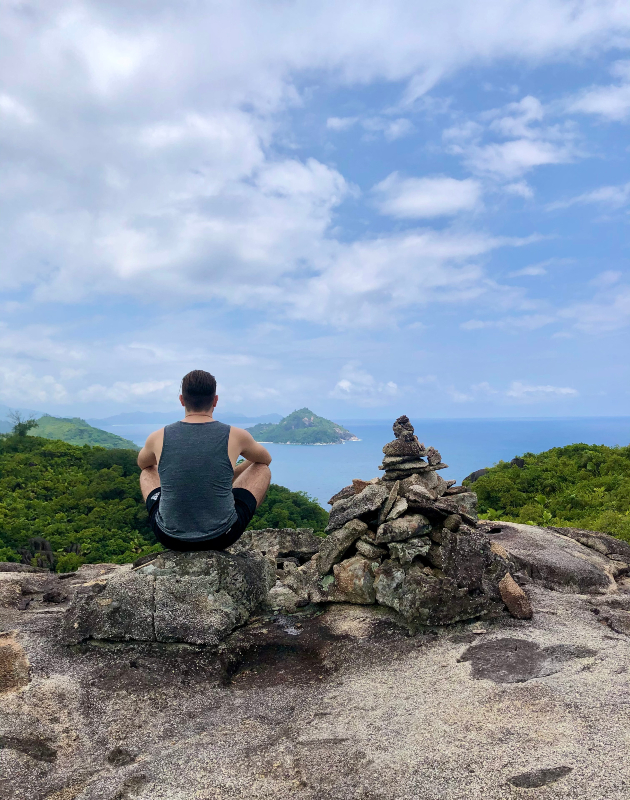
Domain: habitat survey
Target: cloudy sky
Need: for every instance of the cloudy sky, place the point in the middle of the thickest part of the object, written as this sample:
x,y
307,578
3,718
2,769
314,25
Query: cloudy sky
x,y
370,207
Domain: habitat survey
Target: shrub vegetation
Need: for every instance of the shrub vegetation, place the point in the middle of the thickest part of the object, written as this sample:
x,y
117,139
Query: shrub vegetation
x,y
62,505
579,486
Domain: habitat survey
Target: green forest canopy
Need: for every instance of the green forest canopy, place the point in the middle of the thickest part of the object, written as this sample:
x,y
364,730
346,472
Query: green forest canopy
x,y
578,486
63,505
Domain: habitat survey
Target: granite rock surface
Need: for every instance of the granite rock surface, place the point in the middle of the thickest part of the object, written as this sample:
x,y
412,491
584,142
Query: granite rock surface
x,y
197,598
308,701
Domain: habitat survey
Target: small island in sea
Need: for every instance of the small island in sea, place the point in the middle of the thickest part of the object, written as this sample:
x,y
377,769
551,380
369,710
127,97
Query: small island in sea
x,y
302,427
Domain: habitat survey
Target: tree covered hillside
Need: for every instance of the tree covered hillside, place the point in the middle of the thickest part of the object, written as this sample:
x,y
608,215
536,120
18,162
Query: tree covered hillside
x,y
302,427
579,486
77,431
62,505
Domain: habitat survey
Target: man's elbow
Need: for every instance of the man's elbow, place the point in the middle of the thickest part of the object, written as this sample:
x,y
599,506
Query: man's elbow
x,y
145,460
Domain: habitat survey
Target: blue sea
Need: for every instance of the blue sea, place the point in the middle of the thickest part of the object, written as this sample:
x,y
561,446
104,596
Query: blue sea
x,y
465,445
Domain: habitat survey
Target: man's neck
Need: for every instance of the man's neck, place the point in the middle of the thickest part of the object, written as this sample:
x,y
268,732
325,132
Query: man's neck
x,y
202,415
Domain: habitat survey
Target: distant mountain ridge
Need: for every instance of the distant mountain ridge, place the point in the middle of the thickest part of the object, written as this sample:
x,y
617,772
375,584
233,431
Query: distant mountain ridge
x,y
303,427
166,417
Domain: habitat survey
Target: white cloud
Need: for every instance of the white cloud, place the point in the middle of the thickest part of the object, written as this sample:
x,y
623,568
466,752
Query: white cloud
x,y
398,128
476,392
123,392
341,123
607,311
19,383
611,102
530,143
128,174
364,282
359,387
391,129
533,270
515,119
426,197
528,322
514,158
11,109
519,390
541,267
611,196
607,278
520,189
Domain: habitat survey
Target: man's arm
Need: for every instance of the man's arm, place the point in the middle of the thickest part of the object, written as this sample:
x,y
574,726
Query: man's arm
x,y
147,457
252,450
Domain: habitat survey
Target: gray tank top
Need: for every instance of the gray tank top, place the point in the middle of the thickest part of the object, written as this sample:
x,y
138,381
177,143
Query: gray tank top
x,y
196,479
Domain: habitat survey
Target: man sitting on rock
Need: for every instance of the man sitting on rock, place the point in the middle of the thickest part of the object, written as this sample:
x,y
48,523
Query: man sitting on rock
x,y
196,495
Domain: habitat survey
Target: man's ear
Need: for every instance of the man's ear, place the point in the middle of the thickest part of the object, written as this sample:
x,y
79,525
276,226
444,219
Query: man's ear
x,y
215,401
181,400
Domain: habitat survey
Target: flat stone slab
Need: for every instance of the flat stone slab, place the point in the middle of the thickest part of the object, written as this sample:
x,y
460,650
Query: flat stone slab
x,y
554,561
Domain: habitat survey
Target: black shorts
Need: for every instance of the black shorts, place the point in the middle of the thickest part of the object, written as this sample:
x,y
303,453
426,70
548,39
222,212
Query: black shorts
x,y
244,504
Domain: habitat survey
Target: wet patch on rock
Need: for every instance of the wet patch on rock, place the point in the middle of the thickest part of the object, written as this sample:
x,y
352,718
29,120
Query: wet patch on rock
x,y
283,650
518,660
272,663
143,668
120,757
540,777
35,748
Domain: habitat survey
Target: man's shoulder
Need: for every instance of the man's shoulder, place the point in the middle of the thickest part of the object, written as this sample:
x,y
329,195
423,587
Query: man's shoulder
x,y
155,436
239,432
158,432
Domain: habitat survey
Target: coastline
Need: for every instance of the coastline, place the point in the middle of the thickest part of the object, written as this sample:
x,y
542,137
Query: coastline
x,y
314,444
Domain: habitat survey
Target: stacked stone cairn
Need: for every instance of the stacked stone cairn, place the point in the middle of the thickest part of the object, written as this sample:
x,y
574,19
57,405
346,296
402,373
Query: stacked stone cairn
x,y
406,540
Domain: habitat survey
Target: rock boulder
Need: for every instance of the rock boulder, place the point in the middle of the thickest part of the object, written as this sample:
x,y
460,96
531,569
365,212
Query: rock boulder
x,y
555,561
299,543
369,500
196,598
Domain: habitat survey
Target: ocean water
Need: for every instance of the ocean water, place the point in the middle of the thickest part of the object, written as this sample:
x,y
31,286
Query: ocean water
x,y
465,445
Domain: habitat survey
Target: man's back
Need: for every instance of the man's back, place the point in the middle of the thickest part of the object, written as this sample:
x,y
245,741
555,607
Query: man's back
x,y
196,477
197,496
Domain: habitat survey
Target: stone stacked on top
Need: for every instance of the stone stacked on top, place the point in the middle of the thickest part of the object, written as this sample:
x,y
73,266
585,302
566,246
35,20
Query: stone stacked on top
x,y
406,540
405,455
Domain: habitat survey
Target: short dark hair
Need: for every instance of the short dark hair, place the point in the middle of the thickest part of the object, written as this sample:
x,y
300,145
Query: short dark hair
x,y
198,390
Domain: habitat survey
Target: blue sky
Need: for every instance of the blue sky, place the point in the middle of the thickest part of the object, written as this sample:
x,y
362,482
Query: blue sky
x,y
368,208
